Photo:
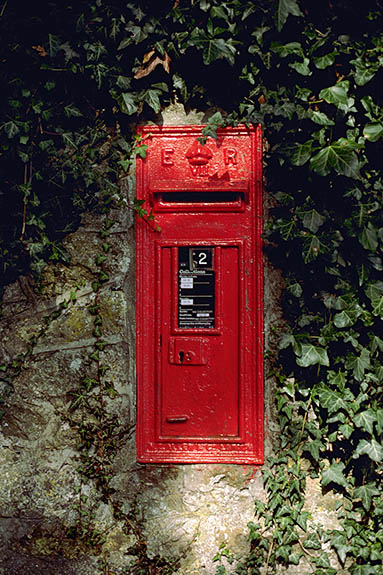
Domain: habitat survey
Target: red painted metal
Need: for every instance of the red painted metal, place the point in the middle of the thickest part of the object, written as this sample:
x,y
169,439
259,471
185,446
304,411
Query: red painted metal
x,y
199,297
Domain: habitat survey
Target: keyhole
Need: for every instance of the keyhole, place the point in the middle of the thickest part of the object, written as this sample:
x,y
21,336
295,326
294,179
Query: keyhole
x,y
181,356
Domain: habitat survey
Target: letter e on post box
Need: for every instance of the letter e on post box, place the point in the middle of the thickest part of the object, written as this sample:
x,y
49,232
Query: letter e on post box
x,y
199,297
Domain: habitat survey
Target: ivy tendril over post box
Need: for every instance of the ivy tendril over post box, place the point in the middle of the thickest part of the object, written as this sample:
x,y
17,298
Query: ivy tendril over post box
x,y
199,297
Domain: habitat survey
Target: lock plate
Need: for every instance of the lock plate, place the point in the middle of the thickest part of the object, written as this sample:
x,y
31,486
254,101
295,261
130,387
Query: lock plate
x,y
188,351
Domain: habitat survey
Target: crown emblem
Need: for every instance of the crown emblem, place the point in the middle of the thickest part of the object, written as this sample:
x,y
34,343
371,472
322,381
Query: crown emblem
x,y
198,155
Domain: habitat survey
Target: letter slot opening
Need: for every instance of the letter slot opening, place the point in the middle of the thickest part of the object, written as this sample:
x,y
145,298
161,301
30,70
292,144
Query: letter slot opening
x,y
187,200
201,197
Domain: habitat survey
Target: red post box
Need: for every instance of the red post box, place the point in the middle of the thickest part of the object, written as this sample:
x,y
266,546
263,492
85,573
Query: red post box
x,y
199,297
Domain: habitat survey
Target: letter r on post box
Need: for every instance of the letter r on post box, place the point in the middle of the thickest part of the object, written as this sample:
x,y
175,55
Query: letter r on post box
x,y
199,297
230,155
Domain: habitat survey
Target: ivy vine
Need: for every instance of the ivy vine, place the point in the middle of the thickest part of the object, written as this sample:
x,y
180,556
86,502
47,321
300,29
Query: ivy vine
x,y
79,78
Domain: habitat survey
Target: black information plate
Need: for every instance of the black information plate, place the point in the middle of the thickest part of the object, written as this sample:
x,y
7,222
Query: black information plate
x,y
196,287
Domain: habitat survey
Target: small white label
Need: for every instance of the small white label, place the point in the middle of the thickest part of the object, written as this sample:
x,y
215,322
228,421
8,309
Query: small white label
x,y
203,314
186,301
186,283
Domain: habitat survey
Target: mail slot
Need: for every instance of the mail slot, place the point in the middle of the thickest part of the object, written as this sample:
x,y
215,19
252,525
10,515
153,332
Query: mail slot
x,y
199,297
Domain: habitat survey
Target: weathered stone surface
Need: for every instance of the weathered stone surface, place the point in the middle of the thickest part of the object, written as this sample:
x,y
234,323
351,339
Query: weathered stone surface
x,y
15,339
192,514
15,298
63,279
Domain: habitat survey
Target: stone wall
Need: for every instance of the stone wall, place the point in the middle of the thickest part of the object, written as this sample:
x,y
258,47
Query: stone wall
x,y
139,518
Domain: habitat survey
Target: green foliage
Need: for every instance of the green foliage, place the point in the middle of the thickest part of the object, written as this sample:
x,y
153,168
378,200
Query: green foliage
x,y
78,77
327,238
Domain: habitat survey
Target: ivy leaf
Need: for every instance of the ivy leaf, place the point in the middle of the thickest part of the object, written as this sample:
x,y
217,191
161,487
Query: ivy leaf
x,y
128,104
372,132
219,48
325,61
311,248
69,140
216,120
324,562
312,542
219,12
100,258
137,35
314,447
123,82
284,8
288,339
151,97
312,355
377,342
302,520
302,153
336,94
285,109
365,420
213,48
284,50
53,45
345,318
363,72
334,474
294,558
247,12
72,111
371,108
210,130
361,363
321,118
371,448
366,493
346,430
141,152
365,570
374,290
379,420
340,156
338,379
11,129
286,228
301,67
368,238
313,220
378,307
339,541
204,5
330,399
295,289
179,84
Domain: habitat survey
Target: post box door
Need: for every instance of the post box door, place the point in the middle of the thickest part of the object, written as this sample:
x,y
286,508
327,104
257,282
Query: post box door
x,y
199,374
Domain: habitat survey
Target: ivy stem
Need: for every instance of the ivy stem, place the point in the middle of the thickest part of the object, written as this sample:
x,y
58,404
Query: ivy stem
x,y
304,421
305,550
27,180
25,207
269,554
3,8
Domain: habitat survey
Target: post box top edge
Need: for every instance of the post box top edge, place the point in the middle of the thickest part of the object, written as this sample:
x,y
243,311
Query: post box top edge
x,y
241,129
